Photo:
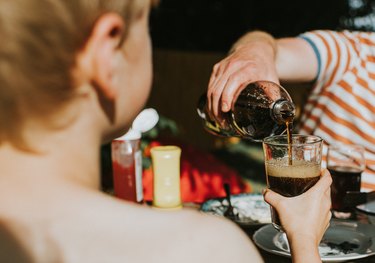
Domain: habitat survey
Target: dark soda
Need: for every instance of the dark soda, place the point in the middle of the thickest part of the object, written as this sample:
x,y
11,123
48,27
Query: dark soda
x,y
261,109
289,130
290,180
344,179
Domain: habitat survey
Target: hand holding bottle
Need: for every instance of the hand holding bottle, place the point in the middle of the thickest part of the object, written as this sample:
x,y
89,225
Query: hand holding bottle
x,y
260,110
252,58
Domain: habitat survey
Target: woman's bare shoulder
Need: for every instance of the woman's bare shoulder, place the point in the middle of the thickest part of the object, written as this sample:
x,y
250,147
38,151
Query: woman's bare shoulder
x,y
190,236
224,241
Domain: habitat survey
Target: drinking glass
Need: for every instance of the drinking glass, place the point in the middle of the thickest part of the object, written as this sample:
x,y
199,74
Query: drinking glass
x,y
291,169
127,168
346,163
166,169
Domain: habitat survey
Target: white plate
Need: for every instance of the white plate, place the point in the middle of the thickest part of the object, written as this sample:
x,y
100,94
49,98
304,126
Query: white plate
x,y
369,210
342,241
251,209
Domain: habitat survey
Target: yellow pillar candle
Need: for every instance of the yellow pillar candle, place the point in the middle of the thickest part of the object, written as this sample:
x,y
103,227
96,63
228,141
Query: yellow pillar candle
x,y
166,169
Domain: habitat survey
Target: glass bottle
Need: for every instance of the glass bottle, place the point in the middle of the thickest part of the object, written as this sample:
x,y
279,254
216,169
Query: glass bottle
x,y
261,109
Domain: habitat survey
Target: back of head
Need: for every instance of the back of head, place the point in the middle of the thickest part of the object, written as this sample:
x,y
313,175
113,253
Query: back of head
x,y
39,43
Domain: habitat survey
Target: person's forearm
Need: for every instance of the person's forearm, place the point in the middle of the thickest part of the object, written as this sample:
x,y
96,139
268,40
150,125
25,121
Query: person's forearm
x,y
261,50
294,58
304,250
256,37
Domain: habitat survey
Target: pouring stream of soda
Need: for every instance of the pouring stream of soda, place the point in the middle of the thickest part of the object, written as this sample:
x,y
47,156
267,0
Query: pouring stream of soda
x,y
288,117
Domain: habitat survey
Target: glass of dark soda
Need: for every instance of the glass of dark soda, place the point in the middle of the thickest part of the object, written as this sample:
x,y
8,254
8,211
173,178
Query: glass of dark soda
x,y
292,166
346,163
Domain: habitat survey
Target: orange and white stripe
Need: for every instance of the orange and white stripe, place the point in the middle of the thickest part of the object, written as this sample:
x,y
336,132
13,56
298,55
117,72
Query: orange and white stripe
x,y
341,107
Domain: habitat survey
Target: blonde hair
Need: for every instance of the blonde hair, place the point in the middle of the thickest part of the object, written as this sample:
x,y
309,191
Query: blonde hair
x,y
39,43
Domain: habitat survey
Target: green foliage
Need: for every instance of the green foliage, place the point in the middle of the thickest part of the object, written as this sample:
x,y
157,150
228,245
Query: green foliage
x,y
164,124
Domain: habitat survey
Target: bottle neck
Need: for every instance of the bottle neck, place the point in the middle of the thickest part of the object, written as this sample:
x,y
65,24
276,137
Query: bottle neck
x,y
283,111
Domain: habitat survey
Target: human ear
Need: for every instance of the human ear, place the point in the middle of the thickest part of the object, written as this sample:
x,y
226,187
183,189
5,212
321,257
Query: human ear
x,y
101,50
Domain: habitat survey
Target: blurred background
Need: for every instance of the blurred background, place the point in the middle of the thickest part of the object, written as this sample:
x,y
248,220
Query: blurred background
x,y
189,37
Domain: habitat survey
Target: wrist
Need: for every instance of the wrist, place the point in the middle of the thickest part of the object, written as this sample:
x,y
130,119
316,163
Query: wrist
x,y
304,239
256,39
304,249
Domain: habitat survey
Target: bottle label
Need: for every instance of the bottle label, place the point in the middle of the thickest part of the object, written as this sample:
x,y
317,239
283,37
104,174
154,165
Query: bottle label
x,y
138,175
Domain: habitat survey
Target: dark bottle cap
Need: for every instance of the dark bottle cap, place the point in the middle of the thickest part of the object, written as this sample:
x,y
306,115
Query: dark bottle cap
x,y
283,111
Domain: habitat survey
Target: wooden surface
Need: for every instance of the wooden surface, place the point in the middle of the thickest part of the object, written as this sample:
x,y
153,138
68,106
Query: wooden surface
x,y
180,78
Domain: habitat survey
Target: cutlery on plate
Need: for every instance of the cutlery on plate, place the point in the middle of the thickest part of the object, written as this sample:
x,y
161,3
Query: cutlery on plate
x,y
229,213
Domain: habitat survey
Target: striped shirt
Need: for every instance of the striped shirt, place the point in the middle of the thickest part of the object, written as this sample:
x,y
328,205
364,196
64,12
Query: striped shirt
x,y
341,106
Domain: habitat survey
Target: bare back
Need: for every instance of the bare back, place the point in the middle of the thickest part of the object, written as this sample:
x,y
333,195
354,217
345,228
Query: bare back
x,y
89,226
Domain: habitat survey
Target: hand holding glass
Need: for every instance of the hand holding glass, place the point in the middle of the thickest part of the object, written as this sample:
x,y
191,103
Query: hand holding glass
x,y
291,175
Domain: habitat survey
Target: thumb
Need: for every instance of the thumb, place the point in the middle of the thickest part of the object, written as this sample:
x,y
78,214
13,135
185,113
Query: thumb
x,y
271,197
